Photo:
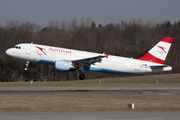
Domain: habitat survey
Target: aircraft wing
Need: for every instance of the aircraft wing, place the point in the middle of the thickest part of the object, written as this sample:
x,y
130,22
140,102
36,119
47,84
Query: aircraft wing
x,y
90,60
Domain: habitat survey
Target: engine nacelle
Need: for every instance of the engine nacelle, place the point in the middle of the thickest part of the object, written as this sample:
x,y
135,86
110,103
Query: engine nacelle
x,y
63,66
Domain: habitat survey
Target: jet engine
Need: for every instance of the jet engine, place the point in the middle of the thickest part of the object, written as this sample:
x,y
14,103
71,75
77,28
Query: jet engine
x,y
63,66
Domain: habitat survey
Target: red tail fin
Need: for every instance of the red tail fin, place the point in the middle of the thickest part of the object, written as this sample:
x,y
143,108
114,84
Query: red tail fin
x,y
159,52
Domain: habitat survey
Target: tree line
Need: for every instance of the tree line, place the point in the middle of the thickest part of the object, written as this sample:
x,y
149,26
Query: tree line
x,y
127,38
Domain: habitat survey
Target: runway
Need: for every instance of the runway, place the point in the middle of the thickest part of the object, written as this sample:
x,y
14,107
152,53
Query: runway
x,y
155,92
107,115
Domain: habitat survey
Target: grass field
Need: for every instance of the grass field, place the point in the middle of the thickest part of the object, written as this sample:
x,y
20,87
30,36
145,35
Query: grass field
x,y
92,102
169,81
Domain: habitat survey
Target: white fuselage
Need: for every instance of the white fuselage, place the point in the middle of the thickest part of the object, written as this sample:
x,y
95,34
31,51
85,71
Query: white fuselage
x,y
112,64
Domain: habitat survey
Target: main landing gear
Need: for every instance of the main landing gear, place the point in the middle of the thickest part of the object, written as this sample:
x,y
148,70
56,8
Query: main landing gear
x,y
82,76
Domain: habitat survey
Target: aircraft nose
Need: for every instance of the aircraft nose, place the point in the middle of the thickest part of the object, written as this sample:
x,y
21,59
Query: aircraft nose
x,y
8,52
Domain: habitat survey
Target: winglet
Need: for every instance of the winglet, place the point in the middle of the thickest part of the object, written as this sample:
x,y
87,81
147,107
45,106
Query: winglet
x,y
107,56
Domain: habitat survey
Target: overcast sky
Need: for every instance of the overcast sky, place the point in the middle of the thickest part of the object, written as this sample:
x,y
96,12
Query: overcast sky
x,y
102,12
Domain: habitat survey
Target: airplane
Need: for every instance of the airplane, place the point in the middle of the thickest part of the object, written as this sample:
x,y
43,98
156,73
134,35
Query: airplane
x,y
65,60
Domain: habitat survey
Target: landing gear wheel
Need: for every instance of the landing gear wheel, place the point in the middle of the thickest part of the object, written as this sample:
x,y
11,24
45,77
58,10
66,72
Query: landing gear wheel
x,y
26,65
82,76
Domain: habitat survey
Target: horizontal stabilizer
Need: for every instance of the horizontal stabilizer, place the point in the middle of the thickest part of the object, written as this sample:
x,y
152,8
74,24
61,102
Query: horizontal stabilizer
x,y
163,67
159,66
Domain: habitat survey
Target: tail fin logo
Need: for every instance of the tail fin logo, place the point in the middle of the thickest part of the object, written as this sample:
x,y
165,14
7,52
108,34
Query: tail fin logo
x,y
163,48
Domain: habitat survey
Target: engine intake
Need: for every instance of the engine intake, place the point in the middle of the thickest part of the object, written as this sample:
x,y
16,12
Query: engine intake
x,y
63,66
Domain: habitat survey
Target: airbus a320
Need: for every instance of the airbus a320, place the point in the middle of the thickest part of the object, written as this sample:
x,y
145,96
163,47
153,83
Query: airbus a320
x,y
65,60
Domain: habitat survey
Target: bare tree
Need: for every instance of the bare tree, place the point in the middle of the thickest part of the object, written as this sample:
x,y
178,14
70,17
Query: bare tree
x,y
82,24
63,25
74,24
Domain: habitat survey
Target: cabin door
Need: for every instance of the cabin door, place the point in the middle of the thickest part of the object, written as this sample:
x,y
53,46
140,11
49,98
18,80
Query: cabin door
x,y
28,49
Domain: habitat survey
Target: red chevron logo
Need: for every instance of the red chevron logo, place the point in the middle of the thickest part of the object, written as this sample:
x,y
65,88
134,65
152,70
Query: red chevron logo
x,y
163,48
41,49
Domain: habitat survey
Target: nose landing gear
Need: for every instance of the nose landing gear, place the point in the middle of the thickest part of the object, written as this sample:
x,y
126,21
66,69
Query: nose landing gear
x,y
26,65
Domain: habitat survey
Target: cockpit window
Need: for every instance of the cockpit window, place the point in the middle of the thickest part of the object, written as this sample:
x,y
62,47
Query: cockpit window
x,y
17,47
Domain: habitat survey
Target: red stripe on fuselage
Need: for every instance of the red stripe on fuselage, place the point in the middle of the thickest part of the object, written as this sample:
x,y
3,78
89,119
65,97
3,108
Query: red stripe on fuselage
x,y
151,58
